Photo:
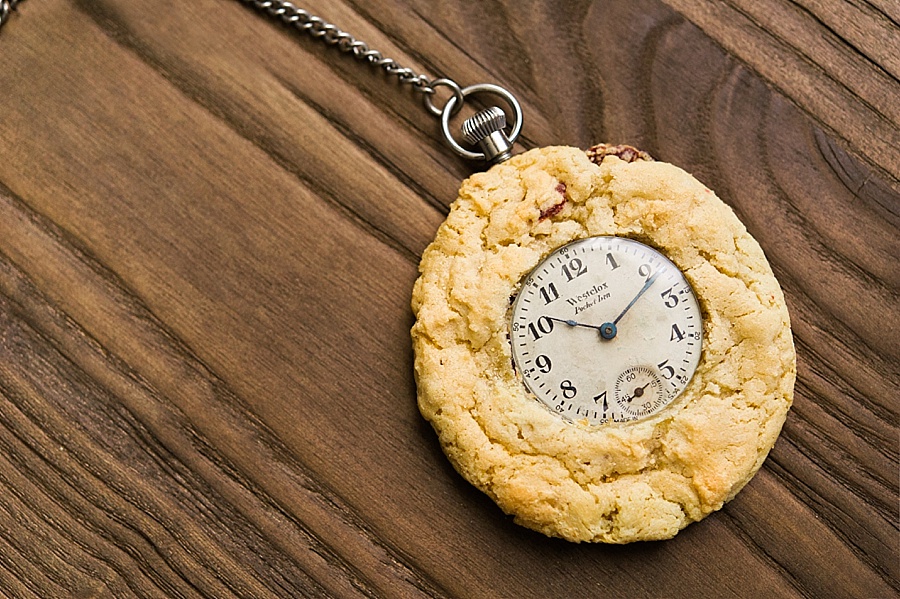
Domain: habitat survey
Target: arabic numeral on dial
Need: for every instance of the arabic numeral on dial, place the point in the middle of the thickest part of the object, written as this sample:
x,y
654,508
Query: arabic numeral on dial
x,y
575,268
568,389
611,261
670,299
543,363
543,327
549,293
667,371
644,270
677,335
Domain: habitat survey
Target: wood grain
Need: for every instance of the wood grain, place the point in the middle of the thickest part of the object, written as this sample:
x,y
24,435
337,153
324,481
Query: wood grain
x,y
839,61
210,227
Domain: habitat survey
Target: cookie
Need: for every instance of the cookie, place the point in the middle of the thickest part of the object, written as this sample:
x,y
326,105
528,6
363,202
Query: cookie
x,y
619,482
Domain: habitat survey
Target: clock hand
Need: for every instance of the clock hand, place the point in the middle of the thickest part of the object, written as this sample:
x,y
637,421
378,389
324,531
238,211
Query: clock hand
x,y
637,297
638,392
573,323
608,329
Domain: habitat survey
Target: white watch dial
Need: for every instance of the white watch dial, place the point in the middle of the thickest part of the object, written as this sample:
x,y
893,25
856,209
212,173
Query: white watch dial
x,y
606,329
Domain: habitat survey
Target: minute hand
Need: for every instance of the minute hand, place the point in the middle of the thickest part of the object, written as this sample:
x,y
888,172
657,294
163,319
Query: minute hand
x,y
608,329
637,297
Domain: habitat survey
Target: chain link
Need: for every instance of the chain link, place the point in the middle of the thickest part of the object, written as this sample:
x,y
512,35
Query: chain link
x,y
6,8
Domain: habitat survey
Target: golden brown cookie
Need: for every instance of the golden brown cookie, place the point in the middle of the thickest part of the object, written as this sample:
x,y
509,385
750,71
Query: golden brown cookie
x,y
619,482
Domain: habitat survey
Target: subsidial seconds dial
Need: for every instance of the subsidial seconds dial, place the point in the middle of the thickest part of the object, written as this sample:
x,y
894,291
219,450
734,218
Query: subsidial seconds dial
x,y
606,329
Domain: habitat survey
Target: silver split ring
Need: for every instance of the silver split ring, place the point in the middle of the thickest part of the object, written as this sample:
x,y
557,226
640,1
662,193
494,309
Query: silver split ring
x,y
455,103
457,96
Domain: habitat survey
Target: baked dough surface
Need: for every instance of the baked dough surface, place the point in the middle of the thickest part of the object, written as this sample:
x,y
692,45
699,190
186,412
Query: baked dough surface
x,y
620,482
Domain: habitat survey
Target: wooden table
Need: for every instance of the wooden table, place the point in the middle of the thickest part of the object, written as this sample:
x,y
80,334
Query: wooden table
x,y
209,230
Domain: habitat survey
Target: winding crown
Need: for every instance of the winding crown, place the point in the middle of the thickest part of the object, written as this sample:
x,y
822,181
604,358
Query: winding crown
x,y
483,123
485,129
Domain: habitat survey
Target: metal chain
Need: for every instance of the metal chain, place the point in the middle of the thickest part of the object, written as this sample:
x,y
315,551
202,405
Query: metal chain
x,y
347,43
333,36
6,8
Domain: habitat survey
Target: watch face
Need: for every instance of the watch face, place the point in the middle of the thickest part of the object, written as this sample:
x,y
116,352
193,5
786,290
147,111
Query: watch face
x,y
606,329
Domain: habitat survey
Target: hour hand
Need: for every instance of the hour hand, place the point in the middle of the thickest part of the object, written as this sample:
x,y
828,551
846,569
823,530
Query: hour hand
x,y
573,323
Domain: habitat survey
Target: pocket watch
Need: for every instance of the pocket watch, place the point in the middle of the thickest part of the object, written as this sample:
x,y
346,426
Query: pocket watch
x,y
600,345
606,329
